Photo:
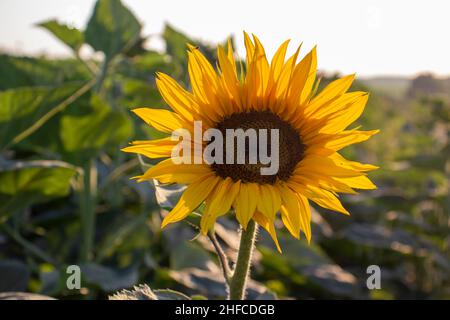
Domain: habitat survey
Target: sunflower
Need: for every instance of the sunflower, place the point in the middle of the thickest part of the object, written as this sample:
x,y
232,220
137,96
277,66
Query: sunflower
x,y
261,95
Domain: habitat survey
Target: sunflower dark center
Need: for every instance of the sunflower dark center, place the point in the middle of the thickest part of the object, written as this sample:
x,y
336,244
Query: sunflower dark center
x,y
291,148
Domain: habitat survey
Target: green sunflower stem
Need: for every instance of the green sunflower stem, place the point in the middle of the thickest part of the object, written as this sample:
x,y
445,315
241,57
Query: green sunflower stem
x,y
87,206
223,260
238,281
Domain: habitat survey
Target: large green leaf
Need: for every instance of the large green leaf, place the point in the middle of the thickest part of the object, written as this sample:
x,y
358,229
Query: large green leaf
x,y
70,36
176,46
25,183
176,42
26,72
144,66
112,28
21,108
86,132
139,93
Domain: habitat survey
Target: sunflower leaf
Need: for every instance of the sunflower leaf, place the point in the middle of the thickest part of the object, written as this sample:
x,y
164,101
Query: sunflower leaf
x,y
72,37
22,107
112,28
176,43
84,134
30,72
25,183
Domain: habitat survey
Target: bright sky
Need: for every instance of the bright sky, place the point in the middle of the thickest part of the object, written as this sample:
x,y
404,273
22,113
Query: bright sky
x,y
365,36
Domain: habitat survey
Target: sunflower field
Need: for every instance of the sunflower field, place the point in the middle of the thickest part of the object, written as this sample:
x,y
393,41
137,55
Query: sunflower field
x,y
66,197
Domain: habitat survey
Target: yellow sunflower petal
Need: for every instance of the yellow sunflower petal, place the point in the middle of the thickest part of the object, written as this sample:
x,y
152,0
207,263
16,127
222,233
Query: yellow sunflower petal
x,y
282,85
203,63
250,48
196,79
323,198
323,166
203,79
278,61
161,119
340,140
176,97
350,101
269,202
191,198
218,203
341,161
228,75
303,79
260,67
295,212
331,92
230,56
342,118
323,181
168,172
253,84
361,182
306,216
264,222
160,148
245,203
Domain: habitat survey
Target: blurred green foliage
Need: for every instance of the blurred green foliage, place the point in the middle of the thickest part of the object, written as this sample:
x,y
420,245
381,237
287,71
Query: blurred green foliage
x,y
66,197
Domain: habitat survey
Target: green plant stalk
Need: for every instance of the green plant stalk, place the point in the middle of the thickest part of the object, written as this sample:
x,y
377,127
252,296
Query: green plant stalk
x,y
223,260
89,191
87,205
238,282
33,249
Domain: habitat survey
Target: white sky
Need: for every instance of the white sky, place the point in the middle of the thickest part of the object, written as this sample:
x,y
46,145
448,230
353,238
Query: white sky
x,y
364,36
